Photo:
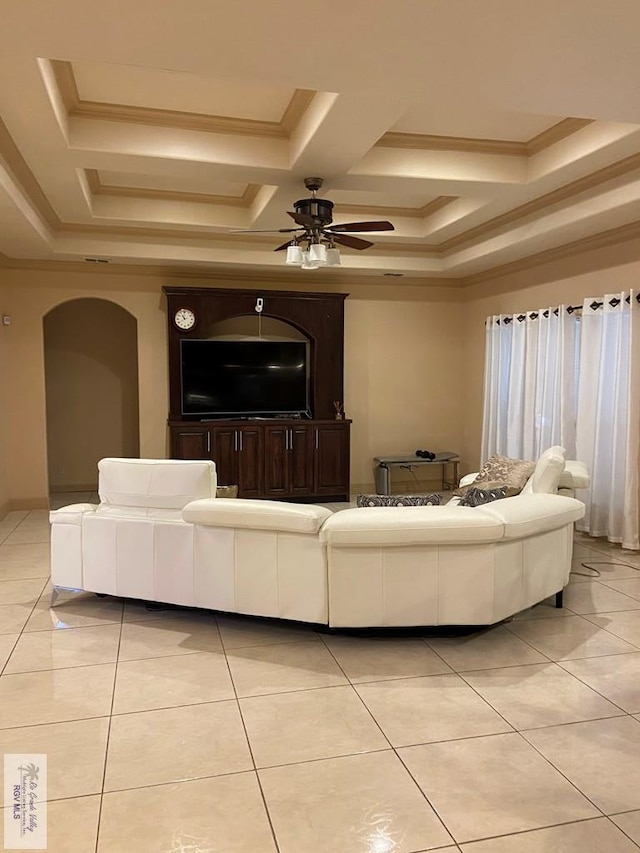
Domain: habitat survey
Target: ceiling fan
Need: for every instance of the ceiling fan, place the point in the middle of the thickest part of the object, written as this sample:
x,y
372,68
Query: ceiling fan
x,y
313,217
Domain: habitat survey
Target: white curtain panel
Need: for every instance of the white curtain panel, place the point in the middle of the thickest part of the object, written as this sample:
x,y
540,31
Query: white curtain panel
x,y
529,390
608,421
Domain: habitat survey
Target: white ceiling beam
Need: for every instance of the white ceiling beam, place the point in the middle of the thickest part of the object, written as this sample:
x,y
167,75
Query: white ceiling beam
x,y
338,130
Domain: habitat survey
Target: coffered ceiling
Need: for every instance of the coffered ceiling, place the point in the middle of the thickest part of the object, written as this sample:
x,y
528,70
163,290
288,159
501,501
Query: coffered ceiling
x,y
492,133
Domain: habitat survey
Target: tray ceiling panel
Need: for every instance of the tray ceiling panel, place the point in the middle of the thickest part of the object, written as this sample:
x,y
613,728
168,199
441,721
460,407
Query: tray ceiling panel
x,y
479,122
212,186
170,90
488,135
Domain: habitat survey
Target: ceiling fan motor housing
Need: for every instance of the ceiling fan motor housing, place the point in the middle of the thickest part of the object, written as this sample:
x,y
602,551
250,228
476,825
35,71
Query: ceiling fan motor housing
x,y
321,209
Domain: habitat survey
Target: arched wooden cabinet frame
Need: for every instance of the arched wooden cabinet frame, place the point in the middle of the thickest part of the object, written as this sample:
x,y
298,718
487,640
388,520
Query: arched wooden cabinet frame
x,y
288,459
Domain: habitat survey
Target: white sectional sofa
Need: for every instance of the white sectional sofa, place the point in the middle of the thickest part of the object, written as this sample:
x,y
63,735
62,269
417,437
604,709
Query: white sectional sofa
x,y
160,534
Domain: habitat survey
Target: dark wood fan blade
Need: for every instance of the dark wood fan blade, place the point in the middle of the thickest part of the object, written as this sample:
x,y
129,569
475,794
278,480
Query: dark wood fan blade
x,y
363,226
348,240
263,230
302,219
284,246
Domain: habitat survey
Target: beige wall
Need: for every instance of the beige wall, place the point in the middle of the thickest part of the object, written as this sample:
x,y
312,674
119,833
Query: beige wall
x,y
414,358
4,407
28,297
403,370
91,378
507,296
403,366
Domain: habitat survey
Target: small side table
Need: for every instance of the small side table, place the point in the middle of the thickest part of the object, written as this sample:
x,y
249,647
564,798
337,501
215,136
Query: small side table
x,y
384,464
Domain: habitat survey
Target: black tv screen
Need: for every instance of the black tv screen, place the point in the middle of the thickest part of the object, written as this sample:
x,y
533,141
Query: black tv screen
x,y
227,378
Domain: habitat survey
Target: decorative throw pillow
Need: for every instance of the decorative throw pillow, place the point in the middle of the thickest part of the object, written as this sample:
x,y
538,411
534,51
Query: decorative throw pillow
x,y
510,491
501,471
397,500
478,497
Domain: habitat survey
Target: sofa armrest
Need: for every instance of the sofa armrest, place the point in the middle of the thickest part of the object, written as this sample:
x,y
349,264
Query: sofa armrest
x,y
256,515
72,514
575,475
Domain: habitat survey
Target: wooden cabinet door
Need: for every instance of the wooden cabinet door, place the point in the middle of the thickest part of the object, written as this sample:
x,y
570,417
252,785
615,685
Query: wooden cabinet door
x,y
332,459
224,452
190,442
276,461
301,451
250,461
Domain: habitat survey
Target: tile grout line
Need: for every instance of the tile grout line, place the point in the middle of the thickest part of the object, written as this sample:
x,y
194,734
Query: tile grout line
x,y
536,829
106,751
20,633
557,769
393,748
246,734
557,664
623,831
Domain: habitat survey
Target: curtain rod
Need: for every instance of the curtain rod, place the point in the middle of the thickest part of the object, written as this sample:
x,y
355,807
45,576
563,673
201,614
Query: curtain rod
x,y
533,315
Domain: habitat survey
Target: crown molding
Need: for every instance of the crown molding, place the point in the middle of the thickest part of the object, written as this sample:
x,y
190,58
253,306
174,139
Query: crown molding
x,y
556,133
271,278
25,177
389,248
428,142
275,277
603,239
66,83
427,209
493,226
98,188
104,111
295,109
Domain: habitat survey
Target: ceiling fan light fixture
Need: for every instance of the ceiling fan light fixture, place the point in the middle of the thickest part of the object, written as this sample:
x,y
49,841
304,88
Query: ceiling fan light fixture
x,y
333,257
295,255
308,263
318,254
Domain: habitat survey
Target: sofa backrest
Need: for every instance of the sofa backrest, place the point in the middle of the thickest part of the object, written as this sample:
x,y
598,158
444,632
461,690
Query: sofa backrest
x,y
532,514
155,483
257,515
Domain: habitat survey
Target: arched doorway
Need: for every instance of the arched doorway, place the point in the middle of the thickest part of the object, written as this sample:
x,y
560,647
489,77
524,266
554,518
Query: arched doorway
x,y
91,376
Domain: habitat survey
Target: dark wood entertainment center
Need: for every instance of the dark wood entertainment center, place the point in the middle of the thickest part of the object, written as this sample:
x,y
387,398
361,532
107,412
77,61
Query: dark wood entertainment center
x,y
278,458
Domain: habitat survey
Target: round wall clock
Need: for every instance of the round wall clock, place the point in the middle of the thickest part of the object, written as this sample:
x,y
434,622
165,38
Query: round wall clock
x,y
184,318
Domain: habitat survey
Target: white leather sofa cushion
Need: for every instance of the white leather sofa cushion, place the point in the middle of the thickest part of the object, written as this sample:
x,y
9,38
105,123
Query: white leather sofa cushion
x,y
575,475
155,483
257,515
524,515
71,514
547,473
410,525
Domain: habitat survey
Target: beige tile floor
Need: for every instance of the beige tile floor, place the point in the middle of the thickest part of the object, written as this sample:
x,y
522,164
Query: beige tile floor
x,y
174,730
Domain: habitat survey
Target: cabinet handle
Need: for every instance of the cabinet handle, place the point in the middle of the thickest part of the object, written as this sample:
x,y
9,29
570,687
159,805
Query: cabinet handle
x,y
235,440
241,440
286,439
290,439
208,442
317,440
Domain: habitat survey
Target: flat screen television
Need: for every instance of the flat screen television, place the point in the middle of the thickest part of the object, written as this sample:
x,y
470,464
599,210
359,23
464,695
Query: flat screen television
x,y
243,378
